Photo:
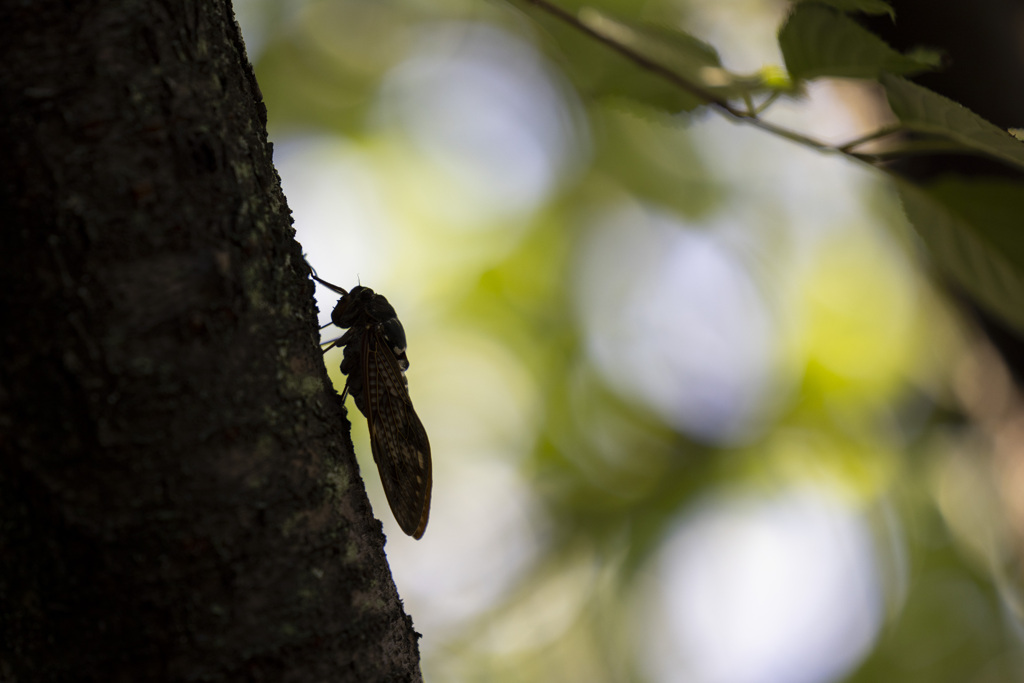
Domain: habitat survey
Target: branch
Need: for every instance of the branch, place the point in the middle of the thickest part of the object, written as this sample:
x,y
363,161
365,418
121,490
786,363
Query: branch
x,y
750,116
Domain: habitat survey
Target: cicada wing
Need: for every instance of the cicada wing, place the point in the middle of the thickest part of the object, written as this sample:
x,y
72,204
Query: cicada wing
x,y
397,437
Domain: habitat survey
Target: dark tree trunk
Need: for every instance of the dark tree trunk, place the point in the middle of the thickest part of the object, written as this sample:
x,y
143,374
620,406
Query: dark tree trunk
x,y
178,496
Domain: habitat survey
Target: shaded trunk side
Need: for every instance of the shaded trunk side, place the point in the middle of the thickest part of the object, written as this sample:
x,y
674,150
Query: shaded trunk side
x,y
178,496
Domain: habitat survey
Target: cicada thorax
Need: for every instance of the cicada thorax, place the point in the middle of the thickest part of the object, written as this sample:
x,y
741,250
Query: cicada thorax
x,y
365,312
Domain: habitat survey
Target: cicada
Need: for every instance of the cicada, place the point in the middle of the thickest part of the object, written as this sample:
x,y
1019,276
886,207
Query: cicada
x,y
374,363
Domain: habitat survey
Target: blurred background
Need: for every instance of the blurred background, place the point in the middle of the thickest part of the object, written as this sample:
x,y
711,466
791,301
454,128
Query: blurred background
x,y
697,412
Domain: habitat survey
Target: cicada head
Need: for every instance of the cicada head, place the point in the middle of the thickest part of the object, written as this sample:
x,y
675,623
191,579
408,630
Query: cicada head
x,y
362,306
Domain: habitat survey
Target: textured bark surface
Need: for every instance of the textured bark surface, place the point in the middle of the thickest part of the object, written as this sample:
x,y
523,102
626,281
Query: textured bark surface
x,y
178,496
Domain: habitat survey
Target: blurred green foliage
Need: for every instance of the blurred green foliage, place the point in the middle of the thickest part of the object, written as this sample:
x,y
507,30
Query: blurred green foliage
x,y
859,397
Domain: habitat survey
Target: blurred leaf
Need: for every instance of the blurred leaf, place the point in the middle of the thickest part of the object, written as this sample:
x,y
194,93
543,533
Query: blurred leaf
x,y
326,68
599,71
973,232
692,59
303,88
925,111
819,41
860,308
862,6
655,163
670,47
608,469
949,627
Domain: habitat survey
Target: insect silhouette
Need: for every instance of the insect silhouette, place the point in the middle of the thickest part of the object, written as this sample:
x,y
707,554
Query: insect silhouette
x,y
375,363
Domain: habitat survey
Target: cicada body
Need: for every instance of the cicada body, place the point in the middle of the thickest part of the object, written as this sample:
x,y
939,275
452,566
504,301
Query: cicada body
x,y
374,364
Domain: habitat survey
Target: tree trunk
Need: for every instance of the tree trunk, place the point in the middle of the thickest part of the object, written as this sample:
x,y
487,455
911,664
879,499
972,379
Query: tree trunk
x,y
178,496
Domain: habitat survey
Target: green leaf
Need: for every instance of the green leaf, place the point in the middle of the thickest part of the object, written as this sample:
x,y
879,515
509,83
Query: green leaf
x,y
925,111
862,6
819,41
974,231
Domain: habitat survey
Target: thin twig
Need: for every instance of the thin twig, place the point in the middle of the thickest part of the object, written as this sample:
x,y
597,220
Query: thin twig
x,y
749,102
768,101
876,135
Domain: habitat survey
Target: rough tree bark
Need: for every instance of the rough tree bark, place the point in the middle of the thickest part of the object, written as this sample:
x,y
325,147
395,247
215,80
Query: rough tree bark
x,y
178,496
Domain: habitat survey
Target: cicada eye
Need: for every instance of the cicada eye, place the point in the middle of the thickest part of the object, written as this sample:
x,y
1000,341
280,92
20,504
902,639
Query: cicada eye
x,y
342,312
